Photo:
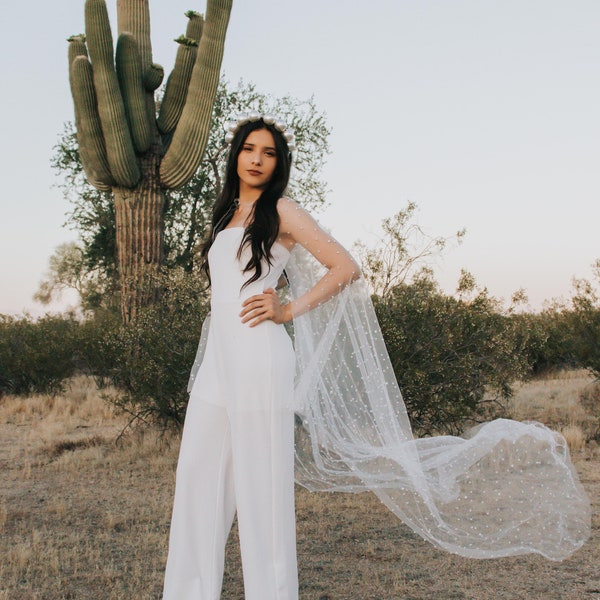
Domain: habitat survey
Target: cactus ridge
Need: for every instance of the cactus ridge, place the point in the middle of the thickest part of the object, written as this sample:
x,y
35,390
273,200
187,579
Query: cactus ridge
x,y
134,16
119,147
129,74
89,130
189,140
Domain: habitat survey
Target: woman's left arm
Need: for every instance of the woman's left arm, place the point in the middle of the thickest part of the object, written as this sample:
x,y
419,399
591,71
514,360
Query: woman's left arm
x,y
298,226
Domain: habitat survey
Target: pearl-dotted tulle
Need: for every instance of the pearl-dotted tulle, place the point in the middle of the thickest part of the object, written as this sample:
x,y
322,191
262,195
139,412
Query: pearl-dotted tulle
x,y
507,488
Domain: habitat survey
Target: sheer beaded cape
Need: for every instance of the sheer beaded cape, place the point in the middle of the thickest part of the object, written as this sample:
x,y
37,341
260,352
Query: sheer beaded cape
x,y
505,488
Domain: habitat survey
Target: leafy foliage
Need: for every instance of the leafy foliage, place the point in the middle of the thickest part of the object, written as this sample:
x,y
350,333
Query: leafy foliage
x,y
585,322
454,357
37,356
572,329
149,359
69,269
455,360
404,250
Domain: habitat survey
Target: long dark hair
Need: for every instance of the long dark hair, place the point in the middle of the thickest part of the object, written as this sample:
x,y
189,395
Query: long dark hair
x,y
261,234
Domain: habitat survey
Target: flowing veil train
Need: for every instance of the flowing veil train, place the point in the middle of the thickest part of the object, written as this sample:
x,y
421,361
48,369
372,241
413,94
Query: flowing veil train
x,y
505,488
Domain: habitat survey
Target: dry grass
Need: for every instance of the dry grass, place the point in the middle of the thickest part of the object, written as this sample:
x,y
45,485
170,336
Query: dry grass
x,y
83,517
568,401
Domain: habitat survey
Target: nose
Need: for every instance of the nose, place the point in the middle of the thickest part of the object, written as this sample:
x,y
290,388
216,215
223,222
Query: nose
x,y
256,158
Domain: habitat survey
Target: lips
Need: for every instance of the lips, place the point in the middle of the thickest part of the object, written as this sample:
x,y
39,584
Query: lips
x,y
253,172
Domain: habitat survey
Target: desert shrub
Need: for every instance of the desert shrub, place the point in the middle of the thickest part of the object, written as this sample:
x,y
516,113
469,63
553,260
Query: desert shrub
x,y
455,359
149,359
570,331
98,353
550,341
37,355
584,323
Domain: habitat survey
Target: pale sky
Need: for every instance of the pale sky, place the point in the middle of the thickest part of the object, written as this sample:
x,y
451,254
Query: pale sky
x,y
485,113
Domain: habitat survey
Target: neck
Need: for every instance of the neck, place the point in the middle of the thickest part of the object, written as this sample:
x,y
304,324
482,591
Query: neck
x,y
249,195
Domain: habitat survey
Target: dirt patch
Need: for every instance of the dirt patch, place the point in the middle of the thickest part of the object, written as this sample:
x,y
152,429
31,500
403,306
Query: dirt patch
x,y
83,517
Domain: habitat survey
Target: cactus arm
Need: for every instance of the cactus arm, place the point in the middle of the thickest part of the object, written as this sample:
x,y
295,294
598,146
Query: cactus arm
x,y
76,47
89,131
179,80
177,85
153,77
119,148
194,26
189,140
129,74
134,16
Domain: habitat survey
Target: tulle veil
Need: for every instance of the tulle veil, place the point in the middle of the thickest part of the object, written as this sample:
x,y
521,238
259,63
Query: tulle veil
x,y
505,488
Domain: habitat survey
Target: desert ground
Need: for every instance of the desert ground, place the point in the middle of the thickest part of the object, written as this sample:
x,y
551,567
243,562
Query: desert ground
x,y
84,516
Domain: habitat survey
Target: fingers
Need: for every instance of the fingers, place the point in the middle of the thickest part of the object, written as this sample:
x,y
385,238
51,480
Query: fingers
x,y
260,307
268,291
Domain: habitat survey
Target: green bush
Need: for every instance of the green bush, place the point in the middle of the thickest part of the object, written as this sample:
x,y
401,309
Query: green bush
x,y
37,356
454,359
571,330
550,345
149,360
584,322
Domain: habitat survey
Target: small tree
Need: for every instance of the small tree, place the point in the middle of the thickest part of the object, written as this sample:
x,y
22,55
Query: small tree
x,y
403,251
454,357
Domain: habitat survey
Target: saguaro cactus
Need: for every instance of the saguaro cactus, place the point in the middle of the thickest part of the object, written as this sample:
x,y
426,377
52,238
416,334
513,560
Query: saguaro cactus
x,y
123,146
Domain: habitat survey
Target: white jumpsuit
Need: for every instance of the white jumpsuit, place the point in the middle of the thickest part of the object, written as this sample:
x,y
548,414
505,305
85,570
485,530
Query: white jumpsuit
x,y
237,449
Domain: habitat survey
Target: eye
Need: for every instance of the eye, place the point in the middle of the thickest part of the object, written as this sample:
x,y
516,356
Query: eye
x,y
270,153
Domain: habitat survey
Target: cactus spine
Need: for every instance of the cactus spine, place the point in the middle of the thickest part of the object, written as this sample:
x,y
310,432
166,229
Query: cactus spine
x,y
122,143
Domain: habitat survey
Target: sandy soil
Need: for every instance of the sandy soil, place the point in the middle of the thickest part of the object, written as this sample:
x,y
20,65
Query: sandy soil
x,y
84,517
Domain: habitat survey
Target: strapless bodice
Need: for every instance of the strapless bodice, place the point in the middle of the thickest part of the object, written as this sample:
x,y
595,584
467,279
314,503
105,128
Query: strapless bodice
x,y
226,269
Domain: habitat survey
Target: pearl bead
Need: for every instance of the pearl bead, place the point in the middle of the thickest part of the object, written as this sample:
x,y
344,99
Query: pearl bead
x,y
253,116
269,119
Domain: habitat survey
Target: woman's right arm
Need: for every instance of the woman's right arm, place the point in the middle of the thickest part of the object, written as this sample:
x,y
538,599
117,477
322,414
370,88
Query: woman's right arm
x,y
299,227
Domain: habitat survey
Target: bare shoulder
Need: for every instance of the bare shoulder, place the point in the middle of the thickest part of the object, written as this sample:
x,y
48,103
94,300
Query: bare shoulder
x,y
292,216
287,208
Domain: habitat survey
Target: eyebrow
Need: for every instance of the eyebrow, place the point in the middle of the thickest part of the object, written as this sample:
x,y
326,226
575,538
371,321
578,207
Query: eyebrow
x,y
266,147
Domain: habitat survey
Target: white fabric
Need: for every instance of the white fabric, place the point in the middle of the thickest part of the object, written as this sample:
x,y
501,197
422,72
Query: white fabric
x,y
507,488
237,449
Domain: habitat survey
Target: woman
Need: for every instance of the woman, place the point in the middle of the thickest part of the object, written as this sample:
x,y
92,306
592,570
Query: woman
x,y
506,488
237,450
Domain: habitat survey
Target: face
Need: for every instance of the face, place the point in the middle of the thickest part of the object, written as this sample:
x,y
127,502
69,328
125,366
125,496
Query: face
x,y
256,161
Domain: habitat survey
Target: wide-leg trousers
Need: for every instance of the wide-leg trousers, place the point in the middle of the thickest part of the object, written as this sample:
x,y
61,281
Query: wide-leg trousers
x,y
232,459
